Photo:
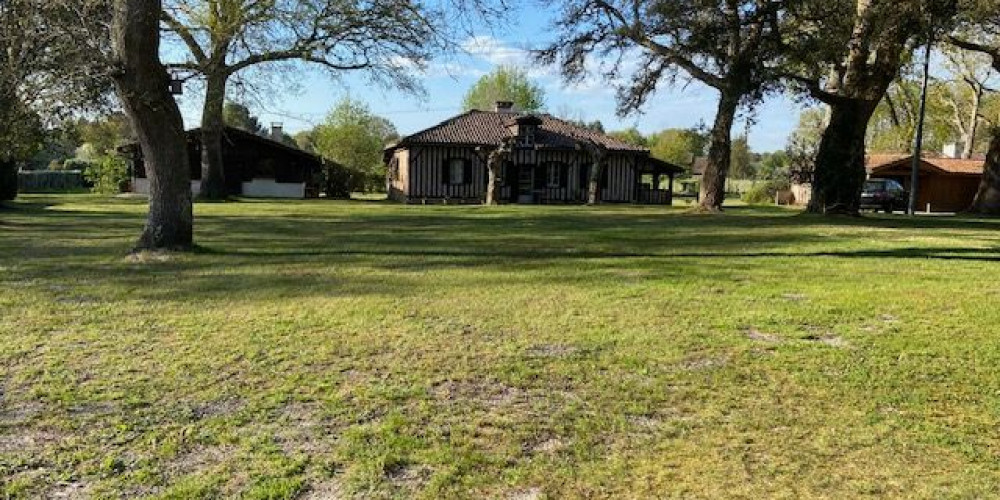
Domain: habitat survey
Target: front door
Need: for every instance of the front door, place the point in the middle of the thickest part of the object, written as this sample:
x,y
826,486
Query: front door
x,y
526,184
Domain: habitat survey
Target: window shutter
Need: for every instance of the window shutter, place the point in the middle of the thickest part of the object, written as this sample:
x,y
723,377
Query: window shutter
x,y
605,176
467,174
584,175
445,173
541,173
563,175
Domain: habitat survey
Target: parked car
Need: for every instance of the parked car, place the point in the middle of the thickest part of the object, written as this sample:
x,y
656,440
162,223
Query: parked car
x,y
884,194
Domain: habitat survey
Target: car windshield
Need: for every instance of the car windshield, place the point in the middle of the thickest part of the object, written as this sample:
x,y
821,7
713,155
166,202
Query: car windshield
x,y
871,186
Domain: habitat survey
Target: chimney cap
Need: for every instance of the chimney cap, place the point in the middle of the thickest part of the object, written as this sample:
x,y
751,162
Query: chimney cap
x,y
504,106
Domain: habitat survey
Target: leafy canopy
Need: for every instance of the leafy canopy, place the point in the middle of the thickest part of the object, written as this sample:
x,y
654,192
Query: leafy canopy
x,y
505,83
355,137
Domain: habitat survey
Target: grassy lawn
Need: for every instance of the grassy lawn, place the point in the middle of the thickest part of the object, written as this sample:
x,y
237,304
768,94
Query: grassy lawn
x,y
362,349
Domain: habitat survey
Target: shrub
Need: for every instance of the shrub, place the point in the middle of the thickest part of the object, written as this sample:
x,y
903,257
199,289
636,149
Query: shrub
x,y
109,175
764,192
74,164
340,181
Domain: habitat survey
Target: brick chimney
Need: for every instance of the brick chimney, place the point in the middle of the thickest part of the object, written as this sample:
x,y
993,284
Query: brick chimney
x,y
505,107
277,131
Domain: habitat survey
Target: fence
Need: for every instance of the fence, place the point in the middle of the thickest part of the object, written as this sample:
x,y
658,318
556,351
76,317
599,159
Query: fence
x,y
50,181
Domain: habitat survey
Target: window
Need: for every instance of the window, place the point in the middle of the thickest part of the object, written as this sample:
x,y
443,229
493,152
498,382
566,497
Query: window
x,y
456,171
555,174
527,135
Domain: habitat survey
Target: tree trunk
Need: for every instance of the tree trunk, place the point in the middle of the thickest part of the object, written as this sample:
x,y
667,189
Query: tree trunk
x,y
973,127
142,84
594,183
213,176
987,199
840,160
713,181
493,186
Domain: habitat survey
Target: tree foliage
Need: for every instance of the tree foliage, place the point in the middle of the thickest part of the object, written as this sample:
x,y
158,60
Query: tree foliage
x,y
505,83
46,71
680,146
237,115
355,138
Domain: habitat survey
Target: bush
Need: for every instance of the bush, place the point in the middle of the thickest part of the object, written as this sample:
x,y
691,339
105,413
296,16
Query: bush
x,y
8,180
109,175
340,181
764,192
75,164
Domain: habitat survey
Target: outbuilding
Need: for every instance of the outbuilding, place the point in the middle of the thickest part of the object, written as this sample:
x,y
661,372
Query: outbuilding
x,y
254,166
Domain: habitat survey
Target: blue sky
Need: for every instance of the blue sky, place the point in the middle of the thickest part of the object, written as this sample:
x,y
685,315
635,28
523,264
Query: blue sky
x,y
305,97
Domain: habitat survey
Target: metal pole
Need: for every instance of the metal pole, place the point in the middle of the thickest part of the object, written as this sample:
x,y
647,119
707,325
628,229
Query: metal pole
x,y
918,140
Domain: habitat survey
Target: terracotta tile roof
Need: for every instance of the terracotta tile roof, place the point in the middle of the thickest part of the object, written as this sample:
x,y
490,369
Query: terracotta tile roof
x,y
488,128
883,162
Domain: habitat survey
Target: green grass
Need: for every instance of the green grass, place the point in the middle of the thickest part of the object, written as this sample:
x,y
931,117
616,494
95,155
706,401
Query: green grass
x,y
361,349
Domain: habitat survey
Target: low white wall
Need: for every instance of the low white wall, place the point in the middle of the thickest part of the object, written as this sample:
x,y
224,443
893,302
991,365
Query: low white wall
x,y
141,186
268,188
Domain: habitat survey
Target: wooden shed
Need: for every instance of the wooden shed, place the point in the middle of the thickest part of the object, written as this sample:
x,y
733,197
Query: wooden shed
x,y
944,184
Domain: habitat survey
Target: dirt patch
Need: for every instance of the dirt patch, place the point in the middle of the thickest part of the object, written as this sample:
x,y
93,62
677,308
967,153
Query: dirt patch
x,y
199,458
547,446
217,408
70,491
408,477
327,490
795,297
759,336
703,363
488,394
644,422
552,351
21,413
28,441
828,339
525,494
146,257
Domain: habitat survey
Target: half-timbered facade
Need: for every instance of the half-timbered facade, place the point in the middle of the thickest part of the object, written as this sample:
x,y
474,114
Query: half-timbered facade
x,y
549,162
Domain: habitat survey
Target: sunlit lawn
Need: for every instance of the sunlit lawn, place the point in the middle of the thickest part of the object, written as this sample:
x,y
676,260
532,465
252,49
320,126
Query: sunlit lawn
x,y
362,349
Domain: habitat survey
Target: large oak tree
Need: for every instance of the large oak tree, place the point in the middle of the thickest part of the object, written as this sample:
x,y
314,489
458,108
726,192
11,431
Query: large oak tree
x,y
142,85
724,44
848,52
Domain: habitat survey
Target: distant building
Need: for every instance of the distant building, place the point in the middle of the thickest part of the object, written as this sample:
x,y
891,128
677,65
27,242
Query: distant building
x,y
254,166
447,162
945,183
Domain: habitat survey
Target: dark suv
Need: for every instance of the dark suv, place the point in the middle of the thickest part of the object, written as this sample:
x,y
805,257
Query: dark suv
x,y
884,194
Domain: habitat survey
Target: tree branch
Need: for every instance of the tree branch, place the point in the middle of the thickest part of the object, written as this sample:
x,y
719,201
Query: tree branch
x,y
182,31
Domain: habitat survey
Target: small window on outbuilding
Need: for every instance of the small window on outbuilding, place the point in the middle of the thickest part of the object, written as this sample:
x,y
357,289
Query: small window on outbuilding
x,y
457,171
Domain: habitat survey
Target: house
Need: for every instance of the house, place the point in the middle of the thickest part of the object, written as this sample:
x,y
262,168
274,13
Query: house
x,y
944,184
550,162
254,166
